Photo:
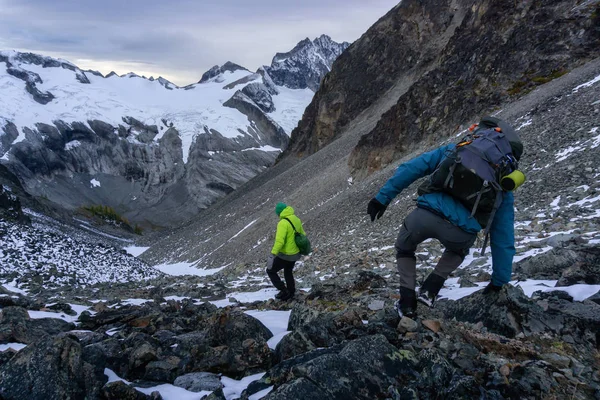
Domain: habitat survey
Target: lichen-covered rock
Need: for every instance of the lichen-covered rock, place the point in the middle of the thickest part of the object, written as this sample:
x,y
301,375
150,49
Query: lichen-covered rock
x,y
363,369
199,381
16,326
119,390
51,369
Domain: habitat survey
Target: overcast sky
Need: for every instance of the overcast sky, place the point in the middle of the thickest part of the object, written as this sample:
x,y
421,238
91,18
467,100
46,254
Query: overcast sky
x,y
178,39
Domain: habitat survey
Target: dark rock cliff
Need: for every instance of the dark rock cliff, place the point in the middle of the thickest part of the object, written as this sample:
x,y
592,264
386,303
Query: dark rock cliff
x,y
497,52
406,39
459,59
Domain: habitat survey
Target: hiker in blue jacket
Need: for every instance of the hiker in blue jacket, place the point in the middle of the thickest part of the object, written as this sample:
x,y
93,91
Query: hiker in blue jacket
x,y
441,216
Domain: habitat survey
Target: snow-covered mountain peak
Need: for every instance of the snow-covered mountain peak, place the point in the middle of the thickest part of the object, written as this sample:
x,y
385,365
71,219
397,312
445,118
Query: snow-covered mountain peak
x,y
16,57
306,63
145,143
217,71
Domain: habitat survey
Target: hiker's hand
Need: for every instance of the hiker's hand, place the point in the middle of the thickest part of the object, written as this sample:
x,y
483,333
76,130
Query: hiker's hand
x,y
491,288
375,209
270,261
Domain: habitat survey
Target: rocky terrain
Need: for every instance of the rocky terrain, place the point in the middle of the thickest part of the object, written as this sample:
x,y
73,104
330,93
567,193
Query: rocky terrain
x,y
154,152
218,332
172,336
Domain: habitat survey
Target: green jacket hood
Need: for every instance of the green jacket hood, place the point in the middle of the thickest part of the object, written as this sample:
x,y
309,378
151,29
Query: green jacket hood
x,y
286,212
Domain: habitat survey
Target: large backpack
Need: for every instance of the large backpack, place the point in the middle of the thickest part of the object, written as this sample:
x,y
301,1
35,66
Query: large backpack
x,y
301,240
472,170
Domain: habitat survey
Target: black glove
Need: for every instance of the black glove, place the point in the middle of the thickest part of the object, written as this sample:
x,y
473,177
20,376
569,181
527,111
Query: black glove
x,y
375,209
491,288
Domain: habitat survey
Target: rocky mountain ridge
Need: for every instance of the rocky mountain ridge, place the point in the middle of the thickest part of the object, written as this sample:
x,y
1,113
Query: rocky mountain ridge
x,y
306,64
446,62
159,153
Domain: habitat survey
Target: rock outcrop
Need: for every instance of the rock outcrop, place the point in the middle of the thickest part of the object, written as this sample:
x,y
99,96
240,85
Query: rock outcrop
x,y
218,70
306,64
444,63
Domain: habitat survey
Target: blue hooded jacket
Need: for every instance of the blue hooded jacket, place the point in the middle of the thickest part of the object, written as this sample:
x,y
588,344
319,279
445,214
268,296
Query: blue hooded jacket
x,y
502,235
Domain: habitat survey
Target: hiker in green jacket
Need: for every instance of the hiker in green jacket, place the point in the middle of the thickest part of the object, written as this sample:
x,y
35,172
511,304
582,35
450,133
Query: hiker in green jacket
x,y
285,252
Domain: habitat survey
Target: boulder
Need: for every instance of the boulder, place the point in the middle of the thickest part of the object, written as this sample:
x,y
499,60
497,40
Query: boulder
x,y
595,298
569,265
292,345
232,328
364,369
16,326
119,390
199,381
507,312
249,357
51,369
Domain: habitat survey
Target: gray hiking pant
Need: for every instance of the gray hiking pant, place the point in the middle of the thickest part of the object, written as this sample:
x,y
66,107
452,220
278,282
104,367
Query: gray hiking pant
x,y
420,225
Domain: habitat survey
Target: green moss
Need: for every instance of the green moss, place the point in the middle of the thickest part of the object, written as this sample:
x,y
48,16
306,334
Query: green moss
x,y
527,84
402,355
108,214
517,87
558,346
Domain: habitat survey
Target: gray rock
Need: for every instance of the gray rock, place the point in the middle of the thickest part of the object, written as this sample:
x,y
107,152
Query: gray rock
x,y
199,381
16,326
259,93
560,239
120,390
557,360
575,264
292,345
407,325
376,305
51,369
360,370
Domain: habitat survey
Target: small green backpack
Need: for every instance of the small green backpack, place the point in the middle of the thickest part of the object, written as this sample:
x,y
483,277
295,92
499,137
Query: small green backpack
x,y
301,240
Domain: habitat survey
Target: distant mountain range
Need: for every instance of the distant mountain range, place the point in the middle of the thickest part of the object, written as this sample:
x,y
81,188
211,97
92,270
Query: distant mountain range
x,y
155,152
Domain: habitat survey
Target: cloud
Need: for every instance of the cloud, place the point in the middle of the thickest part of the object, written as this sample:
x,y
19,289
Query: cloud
x,y
179,39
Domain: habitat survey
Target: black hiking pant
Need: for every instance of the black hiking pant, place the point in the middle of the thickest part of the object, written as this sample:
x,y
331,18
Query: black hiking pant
x,y
420,225
287,267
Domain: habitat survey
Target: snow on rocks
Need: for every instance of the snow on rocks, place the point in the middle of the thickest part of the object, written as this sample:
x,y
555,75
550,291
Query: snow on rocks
x,y
38,257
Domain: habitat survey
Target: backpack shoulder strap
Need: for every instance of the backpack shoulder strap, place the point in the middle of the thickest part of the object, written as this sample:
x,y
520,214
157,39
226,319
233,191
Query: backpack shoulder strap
x,y
293,227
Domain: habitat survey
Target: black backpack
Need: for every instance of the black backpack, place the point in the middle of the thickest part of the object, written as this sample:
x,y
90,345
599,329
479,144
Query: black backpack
x,y
472,170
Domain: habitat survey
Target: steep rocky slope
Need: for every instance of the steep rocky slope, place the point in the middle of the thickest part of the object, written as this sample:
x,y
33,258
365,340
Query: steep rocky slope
x,y
538,338
154,152
340,337
463,57
551,119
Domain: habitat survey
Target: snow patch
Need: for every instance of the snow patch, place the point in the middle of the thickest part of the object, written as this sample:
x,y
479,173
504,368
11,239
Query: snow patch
x,y
587,84
135,250
14,346
186,268
275,321
72,144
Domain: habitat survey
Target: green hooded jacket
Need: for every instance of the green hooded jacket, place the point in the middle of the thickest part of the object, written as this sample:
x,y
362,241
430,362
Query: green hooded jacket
x,y
284,238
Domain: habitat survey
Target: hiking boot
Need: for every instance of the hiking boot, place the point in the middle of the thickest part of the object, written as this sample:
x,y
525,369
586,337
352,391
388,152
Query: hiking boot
x,y
407,305
425,299
282,293
430,289
287,296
